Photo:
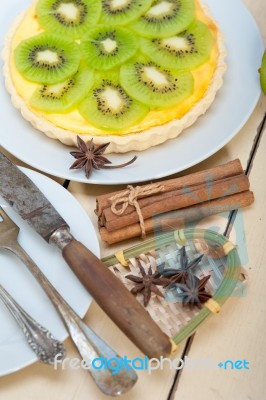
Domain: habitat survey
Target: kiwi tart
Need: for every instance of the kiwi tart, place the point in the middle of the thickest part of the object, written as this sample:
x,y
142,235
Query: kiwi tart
x,y
129,72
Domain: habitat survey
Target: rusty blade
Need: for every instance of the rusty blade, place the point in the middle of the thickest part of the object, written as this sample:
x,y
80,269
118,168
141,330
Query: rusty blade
x,y
27,200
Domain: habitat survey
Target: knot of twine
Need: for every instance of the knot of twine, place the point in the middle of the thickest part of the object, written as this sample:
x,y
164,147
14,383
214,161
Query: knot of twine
x,y
121,201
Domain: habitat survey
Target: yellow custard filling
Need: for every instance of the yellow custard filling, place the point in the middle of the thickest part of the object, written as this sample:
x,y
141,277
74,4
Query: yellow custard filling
x,y
74,122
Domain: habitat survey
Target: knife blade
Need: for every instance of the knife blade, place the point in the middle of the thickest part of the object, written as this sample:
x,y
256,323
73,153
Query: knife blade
x,y
106,289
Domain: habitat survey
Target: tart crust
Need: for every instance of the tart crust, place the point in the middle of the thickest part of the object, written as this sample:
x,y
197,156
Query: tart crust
x,y
118,143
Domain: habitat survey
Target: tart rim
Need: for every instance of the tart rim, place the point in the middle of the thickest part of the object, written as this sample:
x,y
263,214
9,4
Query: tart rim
x,y
118,144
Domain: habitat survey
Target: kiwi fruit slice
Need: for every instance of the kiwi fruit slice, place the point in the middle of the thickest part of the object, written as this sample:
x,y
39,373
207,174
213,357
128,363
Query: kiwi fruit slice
x,y
121,12
188,50
47,58
63,96
106,47
109,107
70,18
165,18
153,85
262,72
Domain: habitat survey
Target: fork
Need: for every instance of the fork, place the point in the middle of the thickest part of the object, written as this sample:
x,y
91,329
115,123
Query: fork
x,y
89,345
39,338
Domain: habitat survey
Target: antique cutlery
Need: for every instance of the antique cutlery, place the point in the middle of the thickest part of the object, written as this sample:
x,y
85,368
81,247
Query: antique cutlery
x,y
42,342
111,295
89,345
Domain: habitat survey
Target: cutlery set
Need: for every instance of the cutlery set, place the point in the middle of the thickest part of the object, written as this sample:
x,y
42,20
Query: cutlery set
x,y
88,344
119,304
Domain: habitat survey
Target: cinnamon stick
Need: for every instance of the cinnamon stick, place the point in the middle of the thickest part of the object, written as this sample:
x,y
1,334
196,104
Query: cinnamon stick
x,y
229,169
178,218
177,199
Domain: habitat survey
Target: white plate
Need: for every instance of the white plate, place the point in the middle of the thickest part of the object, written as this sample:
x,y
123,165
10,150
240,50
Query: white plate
x,y
229,112
14,276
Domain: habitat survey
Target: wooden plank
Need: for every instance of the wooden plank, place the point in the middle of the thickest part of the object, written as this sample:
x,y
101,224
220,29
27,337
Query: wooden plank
x,y
238,332
22,164
33,382
258,10
238,147
232,334
86,196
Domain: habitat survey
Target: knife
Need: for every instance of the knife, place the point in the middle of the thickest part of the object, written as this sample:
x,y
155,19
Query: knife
x,y
106,289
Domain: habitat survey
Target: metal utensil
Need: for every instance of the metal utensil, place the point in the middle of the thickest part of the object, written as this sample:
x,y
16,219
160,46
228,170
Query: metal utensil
x,y
89,345
111,295
42,342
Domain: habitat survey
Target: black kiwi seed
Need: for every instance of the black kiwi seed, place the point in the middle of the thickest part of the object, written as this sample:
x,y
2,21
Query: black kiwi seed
x,y
53,16
83,11
180,52
124,13
139,79
106,5
198,40
63,96
171,86
32,57
166,21
98,56
37,67
101,102
102,37
100,110
166,17
50,95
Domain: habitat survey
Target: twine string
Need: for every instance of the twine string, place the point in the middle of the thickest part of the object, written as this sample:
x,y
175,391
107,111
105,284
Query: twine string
x,y
121,201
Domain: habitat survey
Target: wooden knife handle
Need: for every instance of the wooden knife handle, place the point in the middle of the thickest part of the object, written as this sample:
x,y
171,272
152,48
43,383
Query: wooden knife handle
x,y
117,301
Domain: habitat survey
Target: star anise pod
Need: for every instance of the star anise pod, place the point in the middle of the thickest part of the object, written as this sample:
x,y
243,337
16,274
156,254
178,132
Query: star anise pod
x,y
91,157
183,272
193,293
146,283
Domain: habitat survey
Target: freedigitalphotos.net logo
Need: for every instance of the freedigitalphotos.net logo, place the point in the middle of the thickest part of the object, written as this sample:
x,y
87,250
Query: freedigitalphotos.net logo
x,y
115,365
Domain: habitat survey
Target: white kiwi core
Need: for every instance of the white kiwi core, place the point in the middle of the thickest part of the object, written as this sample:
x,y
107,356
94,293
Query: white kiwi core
x,y
109,45
118,4
162,8
47,56
112,99
156,76
176,42
69,11
56,89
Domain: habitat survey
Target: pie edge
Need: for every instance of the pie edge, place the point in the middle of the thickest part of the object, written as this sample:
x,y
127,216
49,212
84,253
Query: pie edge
x,y
118,144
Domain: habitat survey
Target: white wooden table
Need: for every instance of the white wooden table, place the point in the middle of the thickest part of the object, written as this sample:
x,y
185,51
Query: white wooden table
x,y
237,333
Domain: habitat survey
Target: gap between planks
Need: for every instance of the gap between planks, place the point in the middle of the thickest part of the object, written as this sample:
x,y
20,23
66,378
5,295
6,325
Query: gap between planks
x,y
230,223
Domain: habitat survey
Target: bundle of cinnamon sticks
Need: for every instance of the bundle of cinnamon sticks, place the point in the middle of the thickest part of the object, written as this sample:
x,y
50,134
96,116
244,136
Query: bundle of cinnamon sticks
x,y
130,213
